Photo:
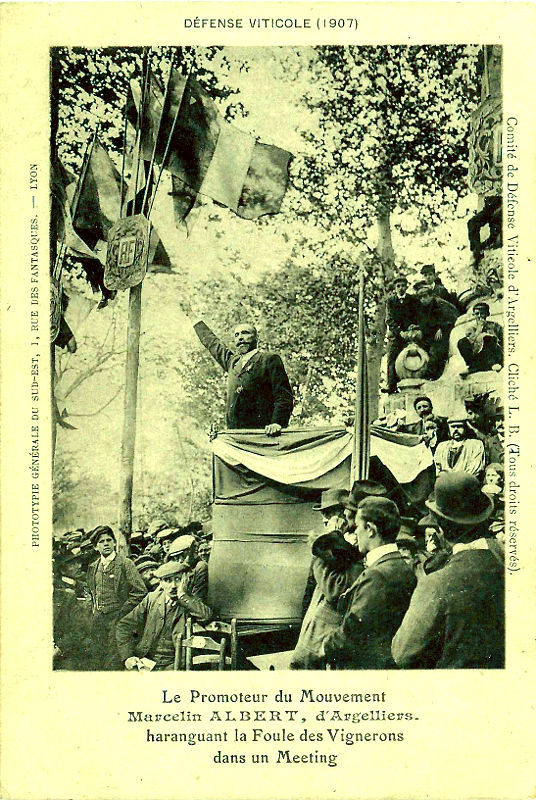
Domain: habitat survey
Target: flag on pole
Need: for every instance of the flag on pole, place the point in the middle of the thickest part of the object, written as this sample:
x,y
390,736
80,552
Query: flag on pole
x,y
207,155
62,188
99,197
361,438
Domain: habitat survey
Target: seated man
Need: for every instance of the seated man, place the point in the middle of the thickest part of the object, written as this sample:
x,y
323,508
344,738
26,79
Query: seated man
x,y
183,550
376,602
460,453
401,311
481,313
151,629
436,320
479,349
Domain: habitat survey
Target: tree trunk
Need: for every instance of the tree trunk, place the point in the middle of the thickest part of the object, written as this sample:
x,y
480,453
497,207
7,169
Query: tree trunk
x,y
384,249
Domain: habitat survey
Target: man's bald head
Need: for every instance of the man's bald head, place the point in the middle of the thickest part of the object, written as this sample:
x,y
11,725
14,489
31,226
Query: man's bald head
x,y
245,336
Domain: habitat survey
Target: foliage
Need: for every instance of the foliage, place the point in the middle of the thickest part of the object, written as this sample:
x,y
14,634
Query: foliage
x,y
381,167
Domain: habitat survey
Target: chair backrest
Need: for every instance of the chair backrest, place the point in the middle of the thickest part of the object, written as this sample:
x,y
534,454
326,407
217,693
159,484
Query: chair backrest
x,y
200,648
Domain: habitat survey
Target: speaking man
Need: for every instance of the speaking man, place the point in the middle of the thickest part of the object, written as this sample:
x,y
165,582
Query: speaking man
x,y
259,394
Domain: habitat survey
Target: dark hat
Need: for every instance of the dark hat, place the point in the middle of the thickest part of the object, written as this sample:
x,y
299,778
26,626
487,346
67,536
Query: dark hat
x,y
156,526
364,488
482,305
428,521
405,539
195,527
99,531
334,540
382,511
407,526
458,498
171,568
400,279
426,268
331,498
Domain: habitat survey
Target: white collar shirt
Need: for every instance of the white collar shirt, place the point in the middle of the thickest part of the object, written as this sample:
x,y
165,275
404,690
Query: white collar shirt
x,y
373,555
478,544
106,561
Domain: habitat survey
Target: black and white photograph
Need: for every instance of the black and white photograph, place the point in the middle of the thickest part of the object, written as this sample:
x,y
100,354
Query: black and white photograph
x,y
278,344
266,392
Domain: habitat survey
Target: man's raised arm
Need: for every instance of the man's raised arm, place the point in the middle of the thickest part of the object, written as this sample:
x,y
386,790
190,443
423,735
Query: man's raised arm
x,y
208,339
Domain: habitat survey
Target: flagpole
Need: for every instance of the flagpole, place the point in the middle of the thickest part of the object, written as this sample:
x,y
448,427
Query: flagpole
x,y
128,438
139,127
361,435
122,189
167,148
156,138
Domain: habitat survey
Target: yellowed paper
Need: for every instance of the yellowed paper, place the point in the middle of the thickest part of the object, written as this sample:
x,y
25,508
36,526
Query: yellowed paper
x,y
457,734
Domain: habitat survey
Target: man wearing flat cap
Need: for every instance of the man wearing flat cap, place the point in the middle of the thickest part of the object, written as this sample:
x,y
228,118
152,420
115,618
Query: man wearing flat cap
x,y
151,629
461,452
71,612
456,616
428,273
377,600
116,587
183,550
334,568
400,312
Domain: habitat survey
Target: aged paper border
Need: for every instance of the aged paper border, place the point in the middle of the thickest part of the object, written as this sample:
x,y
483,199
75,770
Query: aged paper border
x,y
65,735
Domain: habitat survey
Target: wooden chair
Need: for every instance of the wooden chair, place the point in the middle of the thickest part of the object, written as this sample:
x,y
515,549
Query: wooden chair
x,y
199,648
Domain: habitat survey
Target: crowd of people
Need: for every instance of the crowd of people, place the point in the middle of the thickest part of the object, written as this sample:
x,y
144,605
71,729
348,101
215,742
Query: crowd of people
x,y
398,592
427,317
392,583
112,612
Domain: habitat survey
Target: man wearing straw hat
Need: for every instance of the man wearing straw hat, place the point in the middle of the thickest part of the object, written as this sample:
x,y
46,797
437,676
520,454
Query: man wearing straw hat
x,y
456,616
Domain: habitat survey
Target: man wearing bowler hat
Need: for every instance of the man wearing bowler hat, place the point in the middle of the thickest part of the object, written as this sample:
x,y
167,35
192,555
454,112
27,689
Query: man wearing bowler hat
x,y
116,587
151,629
377,600
456,616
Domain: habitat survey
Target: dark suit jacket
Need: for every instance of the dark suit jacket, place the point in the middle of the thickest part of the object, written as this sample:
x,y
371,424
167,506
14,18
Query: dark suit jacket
x,y
258,394
438,314
456,617
376,604
129,585
138,631
400,314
